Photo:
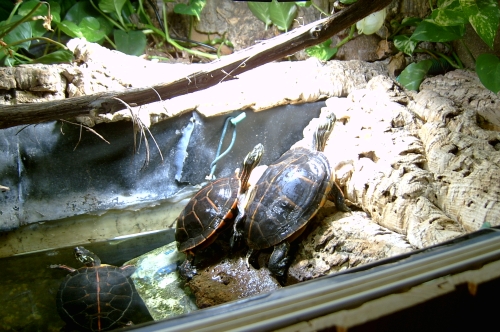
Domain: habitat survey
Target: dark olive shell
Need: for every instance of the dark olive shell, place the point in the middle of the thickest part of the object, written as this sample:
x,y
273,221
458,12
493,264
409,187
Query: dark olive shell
x,y
211,210
98,298
287,196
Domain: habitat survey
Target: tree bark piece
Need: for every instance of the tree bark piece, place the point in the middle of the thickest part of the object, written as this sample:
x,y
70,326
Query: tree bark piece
x,y
212,74
380,161
464,159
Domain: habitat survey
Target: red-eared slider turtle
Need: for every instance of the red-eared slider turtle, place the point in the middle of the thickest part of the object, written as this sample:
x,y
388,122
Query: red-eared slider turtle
x,y
95,297
287,196
211,210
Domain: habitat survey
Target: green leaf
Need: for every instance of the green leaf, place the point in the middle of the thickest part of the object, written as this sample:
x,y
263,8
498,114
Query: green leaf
x,y
303,3
322,51
447,17
484,16
112,6
19,33
130,42
27,6
194,8
405,44
59,56
428,31
414,74
261,11
79,11
348,2
91,29
70,28
411,21
488,70
282,14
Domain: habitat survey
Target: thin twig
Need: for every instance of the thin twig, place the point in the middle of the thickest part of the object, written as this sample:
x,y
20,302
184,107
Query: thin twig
x,y
86,127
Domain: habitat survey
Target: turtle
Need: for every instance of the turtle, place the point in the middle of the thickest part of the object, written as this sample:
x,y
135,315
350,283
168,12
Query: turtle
x,y
212,210
287,196
96,297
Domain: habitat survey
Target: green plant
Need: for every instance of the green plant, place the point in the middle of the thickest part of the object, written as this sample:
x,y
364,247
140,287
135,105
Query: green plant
x,y
122,24
281,14
19,31
447,23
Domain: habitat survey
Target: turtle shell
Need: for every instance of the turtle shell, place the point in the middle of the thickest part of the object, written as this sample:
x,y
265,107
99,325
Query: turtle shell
x,y
286,197
210,211
98,298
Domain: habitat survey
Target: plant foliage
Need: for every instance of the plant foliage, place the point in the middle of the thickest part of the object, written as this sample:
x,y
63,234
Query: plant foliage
x,y
447,23
281,14
31,30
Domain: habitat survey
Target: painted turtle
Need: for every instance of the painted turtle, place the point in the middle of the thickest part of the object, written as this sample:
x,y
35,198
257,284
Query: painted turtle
x,y
95,297
287,196
212,210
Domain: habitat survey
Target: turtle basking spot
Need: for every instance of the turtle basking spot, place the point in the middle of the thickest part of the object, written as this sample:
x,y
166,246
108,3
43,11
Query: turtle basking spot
x,y
96,297
287,196
212,210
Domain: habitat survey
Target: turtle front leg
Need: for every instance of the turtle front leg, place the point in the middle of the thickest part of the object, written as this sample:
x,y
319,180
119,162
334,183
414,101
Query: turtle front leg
x,y
237,231
279,260
187,270
337,197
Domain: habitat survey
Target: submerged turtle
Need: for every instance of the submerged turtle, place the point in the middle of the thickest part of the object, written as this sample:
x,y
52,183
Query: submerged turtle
x,y
96,297
287,196
211,210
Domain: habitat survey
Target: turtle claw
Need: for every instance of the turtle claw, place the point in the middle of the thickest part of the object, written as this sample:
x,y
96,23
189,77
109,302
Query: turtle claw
x,y
279,260
187,271
337,197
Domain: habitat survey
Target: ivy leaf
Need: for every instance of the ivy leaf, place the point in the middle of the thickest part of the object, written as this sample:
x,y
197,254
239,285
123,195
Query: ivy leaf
x,y
306,3
59,56
414,74
19,33
411,21
405,44
261,11
194,8
282,14
446,17
484,16
428,31
112,6
448,13
91,29
70,28
322,51
79,11
488,70
130,42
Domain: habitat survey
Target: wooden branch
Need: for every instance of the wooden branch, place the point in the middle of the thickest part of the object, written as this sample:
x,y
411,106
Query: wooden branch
x,y
214,73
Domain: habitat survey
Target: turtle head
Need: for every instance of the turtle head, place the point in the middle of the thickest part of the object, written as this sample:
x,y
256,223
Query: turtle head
x,y
87,257
323,131
251,161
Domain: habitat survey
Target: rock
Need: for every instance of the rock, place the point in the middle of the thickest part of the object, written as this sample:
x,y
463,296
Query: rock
x,y
464,88
158,283
342,241
34,83
230,280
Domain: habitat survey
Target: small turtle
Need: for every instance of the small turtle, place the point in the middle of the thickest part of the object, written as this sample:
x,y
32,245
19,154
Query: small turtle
x,y
211,210
287,196
95,297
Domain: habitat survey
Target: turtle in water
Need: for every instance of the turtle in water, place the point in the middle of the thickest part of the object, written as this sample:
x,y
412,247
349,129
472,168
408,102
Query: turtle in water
x,y
212,210
287,196
96,297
